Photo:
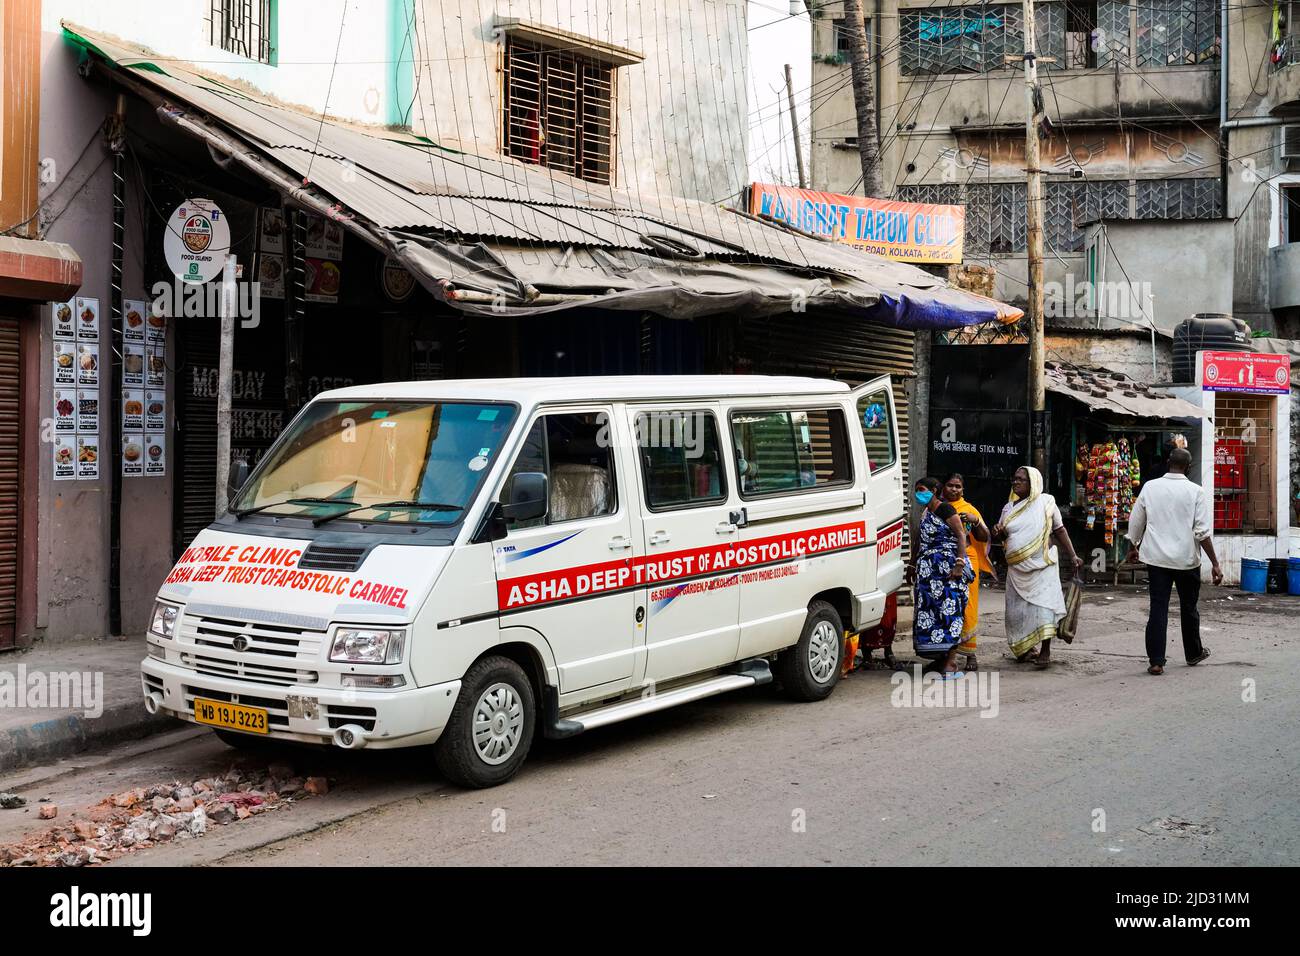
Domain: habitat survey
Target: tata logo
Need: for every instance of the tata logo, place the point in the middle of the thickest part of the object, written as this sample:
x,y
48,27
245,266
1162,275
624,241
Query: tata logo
x,y
240,643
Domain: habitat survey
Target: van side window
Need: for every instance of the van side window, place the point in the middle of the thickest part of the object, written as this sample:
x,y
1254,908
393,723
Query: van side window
x,y
876,419
681,458
790,450
573,451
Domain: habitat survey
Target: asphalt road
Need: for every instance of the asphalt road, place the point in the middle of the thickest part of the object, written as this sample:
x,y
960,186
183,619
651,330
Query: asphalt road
x,y
1091,762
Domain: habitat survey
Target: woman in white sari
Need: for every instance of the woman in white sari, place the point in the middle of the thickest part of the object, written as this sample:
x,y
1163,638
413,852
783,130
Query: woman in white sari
x,y
1035,603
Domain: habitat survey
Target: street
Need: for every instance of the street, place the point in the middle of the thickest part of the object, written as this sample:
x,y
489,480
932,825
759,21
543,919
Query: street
x,y
1091,762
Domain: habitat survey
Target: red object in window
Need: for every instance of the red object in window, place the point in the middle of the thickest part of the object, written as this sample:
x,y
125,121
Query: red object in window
x,y
1229,465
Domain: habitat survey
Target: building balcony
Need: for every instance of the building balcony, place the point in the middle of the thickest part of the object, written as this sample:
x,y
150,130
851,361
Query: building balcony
x,y
1284,77
1284,276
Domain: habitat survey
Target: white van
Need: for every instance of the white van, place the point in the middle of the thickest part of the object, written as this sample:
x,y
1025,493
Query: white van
x,y
469,563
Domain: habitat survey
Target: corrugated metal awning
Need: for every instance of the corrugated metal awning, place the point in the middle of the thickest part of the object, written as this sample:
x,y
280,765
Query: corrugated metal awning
x,y
1116,393
492,233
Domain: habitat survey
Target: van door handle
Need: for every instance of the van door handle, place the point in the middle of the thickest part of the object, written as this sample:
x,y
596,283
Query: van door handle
x,y
660,537
725,527
620,543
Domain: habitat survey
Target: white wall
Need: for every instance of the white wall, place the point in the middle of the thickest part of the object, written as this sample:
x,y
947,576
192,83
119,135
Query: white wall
x,y
682,111
308,32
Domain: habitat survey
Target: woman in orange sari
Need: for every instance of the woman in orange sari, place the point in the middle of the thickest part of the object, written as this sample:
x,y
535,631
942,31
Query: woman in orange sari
x,y
977,536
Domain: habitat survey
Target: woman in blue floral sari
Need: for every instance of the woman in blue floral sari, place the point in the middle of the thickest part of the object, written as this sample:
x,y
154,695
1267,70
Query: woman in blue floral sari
x,y
942,575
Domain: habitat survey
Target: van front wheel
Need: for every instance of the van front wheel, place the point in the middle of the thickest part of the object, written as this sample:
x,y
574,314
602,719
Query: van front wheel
x,y
811,668
491,726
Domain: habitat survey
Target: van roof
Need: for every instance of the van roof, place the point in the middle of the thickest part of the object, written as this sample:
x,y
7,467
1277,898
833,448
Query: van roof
x,y
536,391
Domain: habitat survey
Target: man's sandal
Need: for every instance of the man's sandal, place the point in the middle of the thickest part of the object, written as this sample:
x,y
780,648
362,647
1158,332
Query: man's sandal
x,y
1155,670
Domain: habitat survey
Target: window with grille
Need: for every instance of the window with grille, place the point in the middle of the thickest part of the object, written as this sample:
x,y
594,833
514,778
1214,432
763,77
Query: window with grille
x,y
978,37
559,110
245,27
1177,32
780,451
843,42
1244,463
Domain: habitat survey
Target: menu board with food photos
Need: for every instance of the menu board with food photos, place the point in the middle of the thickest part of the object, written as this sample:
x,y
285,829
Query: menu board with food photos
x,y
65,363
134,320
322,263
155,328
133,365
132,455
74,332
155,366
65,457
87,456
132,409
87,411
85,312
155,454
155,410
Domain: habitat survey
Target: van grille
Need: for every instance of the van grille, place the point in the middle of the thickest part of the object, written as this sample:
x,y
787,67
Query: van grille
x,y
242,650
323,557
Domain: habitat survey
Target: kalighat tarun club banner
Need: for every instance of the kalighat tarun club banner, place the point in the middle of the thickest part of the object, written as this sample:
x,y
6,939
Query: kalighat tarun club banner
x,y
908,231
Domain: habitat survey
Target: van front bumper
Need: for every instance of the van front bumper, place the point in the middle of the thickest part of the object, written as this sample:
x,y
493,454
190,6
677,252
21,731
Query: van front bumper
x,y
404,718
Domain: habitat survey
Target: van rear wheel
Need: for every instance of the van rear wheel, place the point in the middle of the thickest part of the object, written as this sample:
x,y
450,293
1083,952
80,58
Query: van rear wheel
x,y
811,668
491,727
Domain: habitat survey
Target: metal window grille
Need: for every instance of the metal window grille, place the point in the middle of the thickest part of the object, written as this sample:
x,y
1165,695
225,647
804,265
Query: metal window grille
x,y
1177,32
1112,37
1178,199
1070,204
243,27
559,111
977,38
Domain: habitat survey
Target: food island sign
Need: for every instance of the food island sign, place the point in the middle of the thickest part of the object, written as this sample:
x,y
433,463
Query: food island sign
x,y
197,241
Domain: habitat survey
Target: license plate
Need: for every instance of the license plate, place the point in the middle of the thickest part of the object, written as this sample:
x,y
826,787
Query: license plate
x,y
220,713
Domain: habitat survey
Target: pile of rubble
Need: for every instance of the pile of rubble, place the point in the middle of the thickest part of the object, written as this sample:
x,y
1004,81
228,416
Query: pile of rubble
x,y
146,816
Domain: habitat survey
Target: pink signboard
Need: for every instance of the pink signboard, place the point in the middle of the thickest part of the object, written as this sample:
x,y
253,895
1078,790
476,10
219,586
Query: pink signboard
x,y
1245,372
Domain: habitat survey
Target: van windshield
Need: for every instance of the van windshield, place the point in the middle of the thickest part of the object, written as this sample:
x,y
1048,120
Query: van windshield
x,y
390,461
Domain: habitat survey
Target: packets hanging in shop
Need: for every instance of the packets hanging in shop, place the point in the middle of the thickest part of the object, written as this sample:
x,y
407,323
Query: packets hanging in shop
x,y
155,455
65,457
133,320
65,363
132,455
88,411
132,410
87,364
87,456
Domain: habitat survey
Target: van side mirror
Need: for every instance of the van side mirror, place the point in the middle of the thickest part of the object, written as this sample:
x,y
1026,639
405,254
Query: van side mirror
x,y
238,476
529,497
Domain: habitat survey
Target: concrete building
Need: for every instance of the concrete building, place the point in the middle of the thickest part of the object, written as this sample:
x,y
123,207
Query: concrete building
x,y
1133,96
650,99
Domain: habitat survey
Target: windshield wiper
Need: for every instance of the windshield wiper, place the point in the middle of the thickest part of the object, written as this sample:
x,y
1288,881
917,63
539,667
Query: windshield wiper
x,y
422,505
289,501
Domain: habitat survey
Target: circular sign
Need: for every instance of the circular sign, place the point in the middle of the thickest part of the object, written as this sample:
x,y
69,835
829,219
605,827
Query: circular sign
x,y
398,284
1211,372
1281,375
197,241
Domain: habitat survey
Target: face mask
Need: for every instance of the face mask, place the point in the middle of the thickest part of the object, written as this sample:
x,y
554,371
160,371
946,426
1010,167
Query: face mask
x,y
923,497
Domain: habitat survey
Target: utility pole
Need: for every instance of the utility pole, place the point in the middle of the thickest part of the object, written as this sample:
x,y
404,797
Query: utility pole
x,y
855,25
794,126
225,376
1034,222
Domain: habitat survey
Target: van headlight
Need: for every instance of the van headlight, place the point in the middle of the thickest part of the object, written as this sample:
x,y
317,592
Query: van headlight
x,y
162,623
365,645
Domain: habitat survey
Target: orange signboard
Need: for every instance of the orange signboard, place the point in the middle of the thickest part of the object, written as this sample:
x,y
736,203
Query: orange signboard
x,y
909,231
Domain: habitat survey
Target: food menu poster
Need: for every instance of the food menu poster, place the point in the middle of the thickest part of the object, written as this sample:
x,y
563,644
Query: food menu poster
x,y
74,331
323,262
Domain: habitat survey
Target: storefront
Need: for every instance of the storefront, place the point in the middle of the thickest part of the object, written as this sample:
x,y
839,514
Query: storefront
x,y
1244,452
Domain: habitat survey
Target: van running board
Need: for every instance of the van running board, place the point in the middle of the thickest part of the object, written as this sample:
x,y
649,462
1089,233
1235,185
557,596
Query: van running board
x,y
745,674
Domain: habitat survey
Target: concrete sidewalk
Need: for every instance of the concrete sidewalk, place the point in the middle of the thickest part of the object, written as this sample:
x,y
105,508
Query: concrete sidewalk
x,y
60,699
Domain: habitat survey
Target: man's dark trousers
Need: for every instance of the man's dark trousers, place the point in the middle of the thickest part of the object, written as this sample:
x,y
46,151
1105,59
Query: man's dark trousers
x,y
1162,581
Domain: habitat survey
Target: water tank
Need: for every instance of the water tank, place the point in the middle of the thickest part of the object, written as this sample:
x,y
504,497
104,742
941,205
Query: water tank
x,y
1216,331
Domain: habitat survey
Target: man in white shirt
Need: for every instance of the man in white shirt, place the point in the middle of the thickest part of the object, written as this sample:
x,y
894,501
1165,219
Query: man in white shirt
x,y
1171,522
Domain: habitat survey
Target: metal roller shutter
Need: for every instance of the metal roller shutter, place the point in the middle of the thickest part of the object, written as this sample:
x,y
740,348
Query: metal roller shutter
x,y
10,397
